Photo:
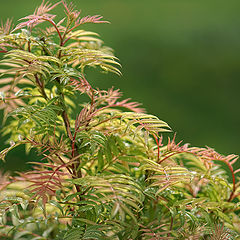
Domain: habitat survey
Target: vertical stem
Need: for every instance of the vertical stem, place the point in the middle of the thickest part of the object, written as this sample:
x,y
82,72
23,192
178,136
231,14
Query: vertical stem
x,y
76,173
171,226
67,124
234,181
158,147
29,46
41,86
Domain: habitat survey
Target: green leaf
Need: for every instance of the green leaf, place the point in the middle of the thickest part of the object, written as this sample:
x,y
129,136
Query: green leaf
x,y
108,153
4,152
94,233
74,234
56,204
100,161
139,121
113,146
224,216
129,212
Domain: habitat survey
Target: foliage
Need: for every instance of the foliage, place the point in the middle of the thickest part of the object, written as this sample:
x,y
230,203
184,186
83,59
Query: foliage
x,y
105,172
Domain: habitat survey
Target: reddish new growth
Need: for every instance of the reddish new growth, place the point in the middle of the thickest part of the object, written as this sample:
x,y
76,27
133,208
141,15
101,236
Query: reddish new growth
x,y
99,158
107,98
40,15
207,155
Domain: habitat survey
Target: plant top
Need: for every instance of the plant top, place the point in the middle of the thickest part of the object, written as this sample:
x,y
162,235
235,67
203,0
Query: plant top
x,y
105,172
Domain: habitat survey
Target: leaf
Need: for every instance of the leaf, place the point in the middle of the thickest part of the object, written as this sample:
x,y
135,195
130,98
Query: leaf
x,y
74,234
114,189
44,116
100,161
139,121
4,152
87,57
165,176
108,153
27,63
50,59
223,216
56,204
2,96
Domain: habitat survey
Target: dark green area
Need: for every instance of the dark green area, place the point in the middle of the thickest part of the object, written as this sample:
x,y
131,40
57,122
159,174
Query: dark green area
x,y
180,58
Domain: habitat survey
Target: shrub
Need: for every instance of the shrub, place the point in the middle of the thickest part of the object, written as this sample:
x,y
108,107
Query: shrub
x,y
105,172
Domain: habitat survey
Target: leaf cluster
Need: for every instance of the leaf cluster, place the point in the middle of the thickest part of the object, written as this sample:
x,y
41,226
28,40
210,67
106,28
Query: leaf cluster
x,y
105,172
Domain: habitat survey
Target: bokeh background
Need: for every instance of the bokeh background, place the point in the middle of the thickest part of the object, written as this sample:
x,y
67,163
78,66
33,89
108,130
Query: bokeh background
x,y
180,58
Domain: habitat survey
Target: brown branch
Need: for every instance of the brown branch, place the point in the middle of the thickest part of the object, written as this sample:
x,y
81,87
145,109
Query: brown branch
x,y
29,46
55,26
69,170
41,86
76,174
67,124
158,146
105,120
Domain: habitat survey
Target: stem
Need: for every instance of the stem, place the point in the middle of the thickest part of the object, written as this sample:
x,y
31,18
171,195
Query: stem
x,y
41,86
62,42
232,196
168,156
75,173
65,41
29,46
158,143
67,124
55,26
69,170
44,48
171,226
106,120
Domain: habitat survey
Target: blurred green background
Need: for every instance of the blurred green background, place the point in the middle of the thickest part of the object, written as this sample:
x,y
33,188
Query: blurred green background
x,y
180,58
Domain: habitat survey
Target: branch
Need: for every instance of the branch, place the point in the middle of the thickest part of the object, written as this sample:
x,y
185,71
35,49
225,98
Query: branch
x,y
232,196
41,86
67,124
